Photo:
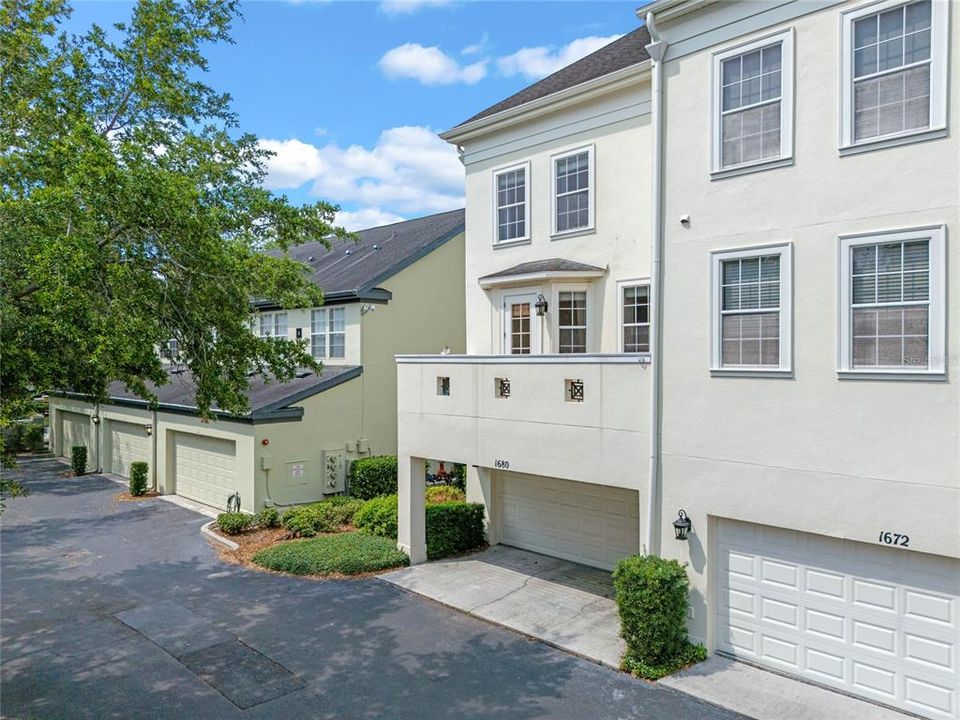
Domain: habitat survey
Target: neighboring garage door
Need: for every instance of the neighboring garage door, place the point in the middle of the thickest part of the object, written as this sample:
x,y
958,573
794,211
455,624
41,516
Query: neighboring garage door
x,y
205,468
874,621
75,430
590,524
128,444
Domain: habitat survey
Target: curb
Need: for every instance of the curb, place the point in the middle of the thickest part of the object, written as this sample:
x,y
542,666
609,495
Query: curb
x,y
207,530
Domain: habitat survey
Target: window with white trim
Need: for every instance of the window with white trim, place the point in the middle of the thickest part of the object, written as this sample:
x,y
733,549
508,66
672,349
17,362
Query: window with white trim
x,y
573,196
328,333
751,298
892,290
894,70
753,101
572,322
510,189
273,325
635,318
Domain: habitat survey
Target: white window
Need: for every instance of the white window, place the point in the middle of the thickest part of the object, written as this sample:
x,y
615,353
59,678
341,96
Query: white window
x,y
273,325
892,302
511,218
753,103
751,315
894,70
635,318
328,333
572,323
573,196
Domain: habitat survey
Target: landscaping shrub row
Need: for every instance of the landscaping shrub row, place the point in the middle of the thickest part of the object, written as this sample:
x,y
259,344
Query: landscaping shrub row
x,y
322,517
347,553
23,437
374,476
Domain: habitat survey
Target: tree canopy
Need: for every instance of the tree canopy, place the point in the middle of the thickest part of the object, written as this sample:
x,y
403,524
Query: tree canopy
x,y
132,211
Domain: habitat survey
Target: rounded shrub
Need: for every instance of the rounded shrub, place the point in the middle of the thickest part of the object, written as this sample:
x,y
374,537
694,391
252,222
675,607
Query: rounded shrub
x,y
378,516
454,528
320,517
138,478
341,554
444,493
372,477
33,438
269,517
78,459
234,523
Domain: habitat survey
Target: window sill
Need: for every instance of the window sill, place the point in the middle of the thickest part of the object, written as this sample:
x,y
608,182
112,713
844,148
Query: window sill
x,y
781,373
900,375
751,168
895,141
573,233
511,243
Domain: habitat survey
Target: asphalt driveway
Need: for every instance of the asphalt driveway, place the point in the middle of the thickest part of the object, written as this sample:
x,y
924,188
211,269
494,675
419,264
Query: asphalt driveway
x,y
123,610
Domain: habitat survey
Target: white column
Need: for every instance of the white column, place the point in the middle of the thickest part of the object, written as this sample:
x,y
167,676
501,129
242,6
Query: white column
x,y
411,515
480,490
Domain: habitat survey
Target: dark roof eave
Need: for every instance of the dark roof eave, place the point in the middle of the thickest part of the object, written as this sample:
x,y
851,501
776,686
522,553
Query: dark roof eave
x,y
341,297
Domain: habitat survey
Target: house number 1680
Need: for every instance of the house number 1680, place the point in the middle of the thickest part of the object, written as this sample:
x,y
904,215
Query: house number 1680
x,y
501,464
889,538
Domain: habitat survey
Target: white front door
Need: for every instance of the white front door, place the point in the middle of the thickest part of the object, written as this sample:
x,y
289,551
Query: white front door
x,y
521,325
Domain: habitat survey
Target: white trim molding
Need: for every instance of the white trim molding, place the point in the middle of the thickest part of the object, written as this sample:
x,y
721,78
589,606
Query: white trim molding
x,y
785,39
784,367
591,191
495,174
939,43
937,304
551,359
540,277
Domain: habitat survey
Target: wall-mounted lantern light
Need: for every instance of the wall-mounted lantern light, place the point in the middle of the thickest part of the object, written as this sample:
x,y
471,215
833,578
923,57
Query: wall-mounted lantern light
x,y
96,419
541,305
149,429
681,526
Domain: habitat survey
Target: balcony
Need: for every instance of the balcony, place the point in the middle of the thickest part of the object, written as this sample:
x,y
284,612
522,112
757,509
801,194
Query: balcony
x,y
577,417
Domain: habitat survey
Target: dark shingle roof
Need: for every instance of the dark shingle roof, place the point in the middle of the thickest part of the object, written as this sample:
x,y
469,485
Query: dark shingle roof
x,y
543,266
623,52
265,398
350,268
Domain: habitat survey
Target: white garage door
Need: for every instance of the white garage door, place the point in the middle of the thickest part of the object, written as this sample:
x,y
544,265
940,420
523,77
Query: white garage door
x,y
205,468
590,524
75,430
875,621
128,444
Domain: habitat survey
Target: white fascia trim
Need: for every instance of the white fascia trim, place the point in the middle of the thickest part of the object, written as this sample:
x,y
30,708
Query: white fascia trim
x,y
553,275
552,359
665,10
549,103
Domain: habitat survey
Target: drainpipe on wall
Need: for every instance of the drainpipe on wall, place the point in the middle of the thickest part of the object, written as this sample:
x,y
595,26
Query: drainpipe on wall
x,y
154,438
657,48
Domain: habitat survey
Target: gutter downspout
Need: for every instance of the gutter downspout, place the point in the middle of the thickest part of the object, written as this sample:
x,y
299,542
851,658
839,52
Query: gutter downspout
x,y
657,48
155,438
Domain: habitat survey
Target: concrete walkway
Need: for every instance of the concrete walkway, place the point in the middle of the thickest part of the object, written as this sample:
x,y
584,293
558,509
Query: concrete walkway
x,y
562,603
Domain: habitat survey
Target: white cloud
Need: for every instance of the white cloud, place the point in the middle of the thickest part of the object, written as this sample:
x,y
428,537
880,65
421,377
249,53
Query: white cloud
x,y
409,171
429,65
477,48
537,62
366,218
405,7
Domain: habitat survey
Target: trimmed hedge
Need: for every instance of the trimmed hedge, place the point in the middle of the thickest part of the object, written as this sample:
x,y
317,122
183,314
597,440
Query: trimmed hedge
x,y
445,493
341,554
378,516
234,523
652,598
138,478
78,459
320,517
269,517
372,477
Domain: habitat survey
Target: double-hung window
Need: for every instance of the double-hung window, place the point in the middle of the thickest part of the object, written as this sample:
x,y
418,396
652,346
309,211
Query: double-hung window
x,y
635,318
752,310
892,302
573,191
894,70
753,103
511,218
328,333
572,324
273,325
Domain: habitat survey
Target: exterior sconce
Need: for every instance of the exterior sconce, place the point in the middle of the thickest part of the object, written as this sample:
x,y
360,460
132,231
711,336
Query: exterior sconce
x,y
149,429
541,305
96,419
682,525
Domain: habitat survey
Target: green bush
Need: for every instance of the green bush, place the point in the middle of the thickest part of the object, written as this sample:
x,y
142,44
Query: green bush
x,y
444,493
378,516
652,597
453,528
372,477
234,523
268,518
33,438
13,437
138,478
341,554
78,459
459,479
320,517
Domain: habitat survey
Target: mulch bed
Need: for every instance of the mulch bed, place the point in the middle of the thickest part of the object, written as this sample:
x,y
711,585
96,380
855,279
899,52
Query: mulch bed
x,y
127,497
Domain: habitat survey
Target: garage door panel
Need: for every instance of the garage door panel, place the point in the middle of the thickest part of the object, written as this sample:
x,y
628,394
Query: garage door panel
x,y
878,622
75,430
128,444
205,468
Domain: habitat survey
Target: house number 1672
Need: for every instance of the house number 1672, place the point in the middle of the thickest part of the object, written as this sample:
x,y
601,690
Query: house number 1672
x,y
889,538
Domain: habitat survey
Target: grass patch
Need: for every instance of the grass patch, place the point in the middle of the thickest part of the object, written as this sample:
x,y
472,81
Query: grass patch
x,y
689,655
349,553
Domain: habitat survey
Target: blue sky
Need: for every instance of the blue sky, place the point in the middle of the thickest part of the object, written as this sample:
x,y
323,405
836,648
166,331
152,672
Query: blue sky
x,y
351,94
